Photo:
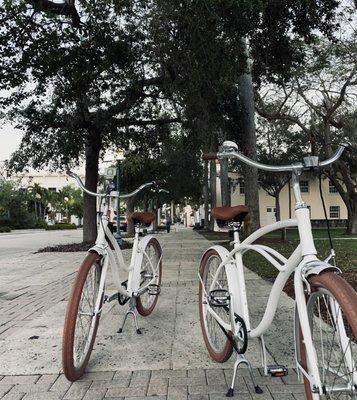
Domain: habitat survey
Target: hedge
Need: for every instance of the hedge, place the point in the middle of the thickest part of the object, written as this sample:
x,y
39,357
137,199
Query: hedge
x,y
60,227
4,229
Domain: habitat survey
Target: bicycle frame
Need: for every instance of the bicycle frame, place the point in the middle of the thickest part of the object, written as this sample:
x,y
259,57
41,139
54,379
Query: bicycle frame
x,y
114,259
303,261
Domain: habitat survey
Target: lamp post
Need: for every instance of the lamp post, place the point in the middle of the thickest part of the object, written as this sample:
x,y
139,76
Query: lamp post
x,y
38,197
66,199
117,235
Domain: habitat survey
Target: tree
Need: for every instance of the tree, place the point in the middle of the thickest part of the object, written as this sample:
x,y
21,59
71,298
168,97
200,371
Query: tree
x,y
204,47
14,206
77,99
320,100
274,147
173,159
68,200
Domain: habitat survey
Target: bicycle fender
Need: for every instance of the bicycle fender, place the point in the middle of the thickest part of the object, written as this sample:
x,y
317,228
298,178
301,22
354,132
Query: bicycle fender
x,y
139,259
222,251
98,249
317,267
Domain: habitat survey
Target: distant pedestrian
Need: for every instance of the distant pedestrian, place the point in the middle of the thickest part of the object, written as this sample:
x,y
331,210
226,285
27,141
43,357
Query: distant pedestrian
x,y
168,223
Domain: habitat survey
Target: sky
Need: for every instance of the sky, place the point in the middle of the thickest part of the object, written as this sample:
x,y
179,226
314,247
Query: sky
x,y
10,139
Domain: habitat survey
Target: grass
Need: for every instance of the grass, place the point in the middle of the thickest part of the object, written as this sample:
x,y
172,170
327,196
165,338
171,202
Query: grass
x,y
346,251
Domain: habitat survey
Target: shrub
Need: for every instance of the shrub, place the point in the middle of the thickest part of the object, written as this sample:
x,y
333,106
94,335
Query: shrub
x,y
60,227
40,224
4,229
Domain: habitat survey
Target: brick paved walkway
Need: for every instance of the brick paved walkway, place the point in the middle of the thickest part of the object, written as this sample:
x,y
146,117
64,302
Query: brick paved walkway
x,y
169,361
193,384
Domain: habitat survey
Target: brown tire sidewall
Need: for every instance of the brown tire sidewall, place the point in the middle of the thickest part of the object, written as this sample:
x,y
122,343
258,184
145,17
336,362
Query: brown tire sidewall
x,y
225,354
345,295
139,305
71,372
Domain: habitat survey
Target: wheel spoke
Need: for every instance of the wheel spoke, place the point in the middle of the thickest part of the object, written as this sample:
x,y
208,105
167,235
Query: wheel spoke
x,y
334,343
85,316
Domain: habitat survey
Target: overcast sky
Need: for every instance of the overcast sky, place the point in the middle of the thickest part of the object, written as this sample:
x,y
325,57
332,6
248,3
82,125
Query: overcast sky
x,y
10,139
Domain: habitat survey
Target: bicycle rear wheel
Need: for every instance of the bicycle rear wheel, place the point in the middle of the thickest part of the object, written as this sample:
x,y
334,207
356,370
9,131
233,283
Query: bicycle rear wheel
x,y
81,324
217,343
146,302
332,312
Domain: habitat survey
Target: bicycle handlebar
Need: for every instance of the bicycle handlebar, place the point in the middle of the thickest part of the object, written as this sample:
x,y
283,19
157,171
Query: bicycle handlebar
x,y
122,196
230,150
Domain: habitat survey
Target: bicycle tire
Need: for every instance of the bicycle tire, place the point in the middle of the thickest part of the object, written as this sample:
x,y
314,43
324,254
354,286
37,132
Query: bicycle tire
x,y
342,292
142,308
223,353
72,370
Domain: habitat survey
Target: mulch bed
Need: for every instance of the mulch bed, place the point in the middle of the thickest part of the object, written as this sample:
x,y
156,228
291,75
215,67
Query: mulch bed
x,y
75,247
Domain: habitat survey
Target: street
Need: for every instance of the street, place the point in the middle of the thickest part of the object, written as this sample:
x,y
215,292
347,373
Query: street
x,y
22,242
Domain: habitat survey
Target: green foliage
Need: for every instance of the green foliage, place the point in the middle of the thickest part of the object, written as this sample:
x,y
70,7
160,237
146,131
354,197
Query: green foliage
x,y
5,229
60,227
68,199
41,224
13,206
176,160
68,85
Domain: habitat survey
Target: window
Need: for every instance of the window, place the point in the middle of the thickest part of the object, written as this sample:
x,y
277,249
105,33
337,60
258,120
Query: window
x,y
334,212
241,187
331,187
52,189
304,186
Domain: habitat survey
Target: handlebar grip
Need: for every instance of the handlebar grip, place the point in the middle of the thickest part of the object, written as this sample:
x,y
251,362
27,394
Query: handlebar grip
x,y
209,156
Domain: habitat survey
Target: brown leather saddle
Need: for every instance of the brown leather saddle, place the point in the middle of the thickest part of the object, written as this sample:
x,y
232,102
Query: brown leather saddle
x,y
145,218
230,214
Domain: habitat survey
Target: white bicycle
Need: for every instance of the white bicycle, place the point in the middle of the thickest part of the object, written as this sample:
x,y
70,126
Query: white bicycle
x,y
141,288
326,305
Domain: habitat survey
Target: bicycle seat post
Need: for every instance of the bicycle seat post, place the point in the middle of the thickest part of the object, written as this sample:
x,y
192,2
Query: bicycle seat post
x,y
236,228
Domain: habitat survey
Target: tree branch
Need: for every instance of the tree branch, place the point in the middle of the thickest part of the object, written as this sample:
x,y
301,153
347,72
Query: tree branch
x,y
66,8
141,122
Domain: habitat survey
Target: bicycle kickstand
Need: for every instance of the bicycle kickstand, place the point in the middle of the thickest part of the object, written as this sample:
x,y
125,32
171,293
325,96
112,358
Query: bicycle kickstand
x,y
242,360
133,313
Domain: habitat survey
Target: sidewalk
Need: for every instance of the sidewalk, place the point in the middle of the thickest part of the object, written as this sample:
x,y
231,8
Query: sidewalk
x,y
168,360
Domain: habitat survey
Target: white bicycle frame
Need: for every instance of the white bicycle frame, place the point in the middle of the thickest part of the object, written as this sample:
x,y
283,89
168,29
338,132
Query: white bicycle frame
x,y
303,261
114,258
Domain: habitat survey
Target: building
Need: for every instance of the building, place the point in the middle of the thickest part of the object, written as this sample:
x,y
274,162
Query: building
x,y
335,207
51,181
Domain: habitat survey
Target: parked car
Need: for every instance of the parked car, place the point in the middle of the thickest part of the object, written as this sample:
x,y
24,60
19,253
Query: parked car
x,y
123,223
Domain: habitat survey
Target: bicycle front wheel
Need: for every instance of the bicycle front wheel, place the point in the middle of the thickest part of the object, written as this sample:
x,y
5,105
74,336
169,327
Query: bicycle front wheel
x,y
217,343
332,312
151,260
81,323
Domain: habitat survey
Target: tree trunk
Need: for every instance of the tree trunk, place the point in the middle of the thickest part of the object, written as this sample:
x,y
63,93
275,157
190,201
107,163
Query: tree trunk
x,y
352,216
225,190
213,187
247,136
277,214
92,150
130,209
277,206
206,195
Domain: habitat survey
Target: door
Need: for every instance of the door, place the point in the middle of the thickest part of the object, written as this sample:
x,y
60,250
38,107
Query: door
x,y
271,215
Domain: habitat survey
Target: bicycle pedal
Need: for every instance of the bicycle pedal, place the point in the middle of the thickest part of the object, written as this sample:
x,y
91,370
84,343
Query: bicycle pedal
x,y
219,298
277,371
154,290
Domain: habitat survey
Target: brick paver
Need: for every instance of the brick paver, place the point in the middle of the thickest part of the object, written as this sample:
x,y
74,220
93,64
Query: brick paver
x,y
150,385
206,381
